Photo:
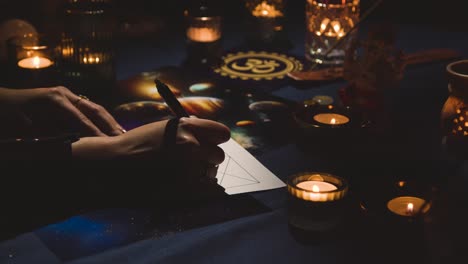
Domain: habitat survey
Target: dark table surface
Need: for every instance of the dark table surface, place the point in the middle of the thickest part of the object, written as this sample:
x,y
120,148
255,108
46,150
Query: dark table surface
x,y
253,228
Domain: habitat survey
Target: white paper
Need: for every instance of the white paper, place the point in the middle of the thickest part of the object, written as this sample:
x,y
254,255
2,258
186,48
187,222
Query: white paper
x,y
241,172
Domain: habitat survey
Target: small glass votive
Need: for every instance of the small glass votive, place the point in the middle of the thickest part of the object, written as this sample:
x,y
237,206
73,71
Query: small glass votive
x,y
328,128
317,203
327,21
266,20
203,35
32,59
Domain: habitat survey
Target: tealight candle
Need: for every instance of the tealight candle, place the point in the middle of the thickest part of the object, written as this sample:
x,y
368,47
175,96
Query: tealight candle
x,y
35,62
266,10
408,206
317,187
203,34
331,119
316,203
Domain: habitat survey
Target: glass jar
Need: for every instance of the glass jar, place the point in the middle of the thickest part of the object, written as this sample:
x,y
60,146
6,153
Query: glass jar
x,y
32,61
454,114
266,24
327,21
203,35
87,50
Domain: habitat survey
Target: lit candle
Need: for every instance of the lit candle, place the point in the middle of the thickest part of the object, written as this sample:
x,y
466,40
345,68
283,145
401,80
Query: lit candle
x,y
203,34
266,10
331,119
35,63
317,187
408,206
330,28
316,202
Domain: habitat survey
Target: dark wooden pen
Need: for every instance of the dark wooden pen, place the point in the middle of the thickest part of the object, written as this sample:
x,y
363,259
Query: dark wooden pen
x,y
170,99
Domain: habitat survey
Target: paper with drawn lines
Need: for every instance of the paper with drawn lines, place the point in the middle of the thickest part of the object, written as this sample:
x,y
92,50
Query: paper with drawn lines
x,y
241,172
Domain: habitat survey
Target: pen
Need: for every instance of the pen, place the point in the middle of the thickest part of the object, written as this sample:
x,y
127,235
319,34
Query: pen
x,y
170,99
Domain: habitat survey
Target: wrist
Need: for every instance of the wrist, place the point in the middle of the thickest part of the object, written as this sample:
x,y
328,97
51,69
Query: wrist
x,y
97,148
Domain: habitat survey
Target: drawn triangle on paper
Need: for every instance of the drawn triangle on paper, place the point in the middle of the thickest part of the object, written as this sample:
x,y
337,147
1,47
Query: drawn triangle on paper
x,y
231,174
230,181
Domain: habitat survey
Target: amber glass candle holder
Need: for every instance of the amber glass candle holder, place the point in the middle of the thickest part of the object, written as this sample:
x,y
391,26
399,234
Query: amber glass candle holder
x,y
32,60
327,21
266,24
317,204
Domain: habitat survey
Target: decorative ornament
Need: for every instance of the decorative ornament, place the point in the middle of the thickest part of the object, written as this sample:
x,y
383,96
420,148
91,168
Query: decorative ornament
x,y
258,66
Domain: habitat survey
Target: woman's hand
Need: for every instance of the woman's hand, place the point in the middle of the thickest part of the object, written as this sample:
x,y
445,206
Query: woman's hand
x,y
58,105
196,140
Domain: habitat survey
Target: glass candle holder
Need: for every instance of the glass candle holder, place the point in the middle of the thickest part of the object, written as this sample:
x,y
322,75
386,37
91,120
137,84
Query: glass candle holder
x,y
203,34
32,59
266,17
327,21
86,46
316,202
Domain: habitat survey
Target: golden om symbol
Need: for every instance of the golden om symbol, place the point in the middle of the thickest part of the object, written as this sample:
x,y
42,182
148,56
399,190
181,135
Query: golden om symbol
x,y
257,66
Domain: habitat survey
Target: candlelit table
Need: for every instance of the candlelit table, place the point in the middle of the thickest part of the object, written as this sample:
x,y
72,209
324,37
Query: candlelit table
x,y
258,232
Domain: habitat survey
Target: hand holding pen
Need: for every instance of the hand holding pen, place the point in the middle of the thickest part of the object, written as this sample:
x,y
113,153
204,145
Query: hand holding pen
x,y
197,138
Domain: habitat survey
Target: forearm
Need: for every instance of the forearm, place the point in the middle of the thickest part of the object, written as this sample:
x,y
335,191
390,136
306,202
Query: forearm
x,y
97,148
15,97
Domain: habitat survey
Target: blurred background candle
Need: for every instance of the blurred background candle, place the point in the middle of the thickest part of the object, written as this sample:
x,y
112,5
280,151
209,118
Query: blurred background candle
x,y
408,206
266,8
327,21
35,62
32,59
266,21
203,33
331,119
87,47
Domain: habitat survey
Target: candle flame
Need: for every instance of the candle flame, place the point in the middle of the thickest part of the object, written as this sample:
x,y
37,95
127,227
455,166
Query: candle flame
x,y
336,26
333,121
266,10
315,188
409,208
36,62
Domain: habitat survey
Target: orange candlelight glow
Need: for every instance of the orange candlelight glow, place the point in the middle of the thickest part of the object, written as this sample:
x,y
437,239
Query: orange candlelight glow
x,y
330,28
331,119
35,63
317,187
266,10
409,209
203,34
408,206
92,58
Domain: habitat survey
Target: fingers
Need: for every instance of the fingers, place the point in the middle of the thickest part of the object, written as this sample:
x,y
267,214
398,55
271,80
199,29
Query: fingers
x,y
85,122
211,154
101,117
206,131
98,115
200,147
